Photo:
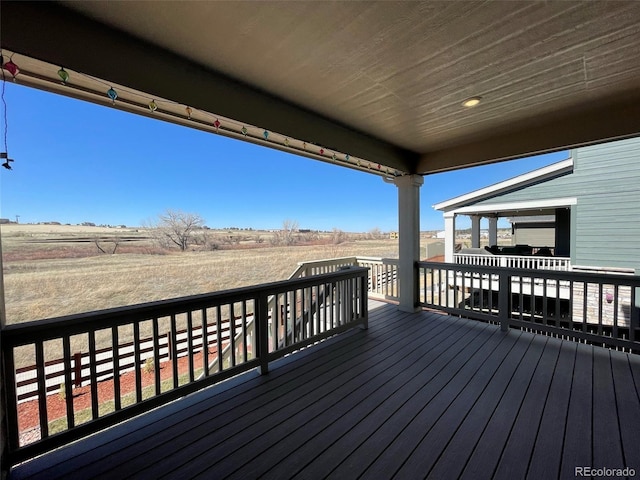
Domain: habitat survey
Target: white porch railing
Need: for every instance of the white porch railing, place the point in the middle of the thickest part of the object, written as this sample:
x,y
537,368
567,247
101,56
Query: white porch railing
x,y
383,273
514,261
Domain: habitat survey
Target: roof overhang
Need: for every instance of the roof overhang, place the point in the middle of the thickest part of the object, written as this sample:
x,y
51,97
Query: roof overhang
x,y
468,200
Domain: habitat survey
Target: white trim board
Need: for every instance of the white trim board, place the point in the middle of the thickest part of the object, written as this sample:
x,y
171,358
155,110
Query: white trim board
x,y
514,183
517,206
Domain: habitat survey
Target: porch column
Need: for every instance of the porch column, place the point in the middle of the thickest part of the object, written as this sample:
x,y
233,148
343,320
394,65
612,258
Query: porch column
x,y
408,238
449,236
493,231
475,231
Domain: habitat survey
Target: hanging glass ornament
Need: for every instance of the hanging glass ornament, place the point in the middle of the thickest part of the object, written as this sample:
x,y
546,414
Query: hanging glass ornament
x,y
322,151
265,134
333,157
304,145
112,94
244,131
216,124
64,76
346,157
286,142
153,106
12,68
188,110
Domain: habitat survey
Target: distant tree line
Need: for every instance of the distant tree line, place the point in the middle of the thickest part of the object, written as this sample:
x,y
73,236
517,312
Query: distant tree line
x,y
178,229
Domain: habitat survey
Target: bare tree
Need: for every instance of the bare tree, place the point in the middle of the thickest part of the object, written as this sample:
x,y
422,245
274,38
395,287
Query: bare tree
x,y
116,241
338,236
177,227
374,234
289,231
288,235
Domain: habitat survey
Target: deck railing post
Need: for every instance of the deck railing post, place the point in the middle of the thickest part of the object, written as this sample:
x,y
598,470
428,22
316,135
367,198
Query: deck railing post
x,y
503,300
363,298
5,423
77,369
262,335
634,320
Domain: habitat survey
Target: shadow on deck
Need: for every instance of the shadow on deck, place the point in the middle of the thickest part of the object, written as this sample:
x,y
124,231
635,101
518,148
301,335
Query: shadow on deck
x,y
416,395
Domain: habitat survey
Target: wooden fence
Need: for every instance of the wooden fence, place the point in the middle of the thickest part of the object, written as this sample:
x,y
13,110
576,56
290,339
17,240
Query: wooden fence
x,y
27,377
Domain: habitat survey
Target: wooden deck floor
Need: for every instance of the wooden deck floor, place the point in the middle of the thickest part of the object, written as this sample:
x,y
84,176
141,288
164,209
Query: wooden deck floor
x,y
415,396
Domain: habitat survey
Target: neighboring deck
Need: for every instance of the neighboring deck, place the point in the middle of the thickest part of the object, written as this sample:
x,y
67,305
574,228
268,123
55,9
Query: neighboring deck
x,y
416,395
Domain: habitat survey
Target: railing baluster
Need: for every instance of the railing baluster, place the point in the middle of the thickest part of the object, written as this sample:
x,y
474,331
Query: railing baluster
x,y
455,290
532,299
232,335
317,319
616,294
338,308
116,367
94,374
443,287
521,297
174,350
600,308
42,390
585,294
332,305
490,303
635,313
205,343
304,328
136,363
156,356
544,301
219,337
68,392
244,331
190,345
277,322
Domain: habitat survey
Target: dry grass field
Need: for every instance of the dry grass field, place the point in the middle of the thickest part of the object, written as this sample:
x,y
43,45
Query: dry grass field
x,y
52,270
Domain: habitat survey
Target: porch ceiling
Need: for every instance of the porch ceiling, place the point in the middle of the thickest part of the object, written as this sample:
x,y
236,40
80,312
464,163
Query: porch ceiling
x,y
383,81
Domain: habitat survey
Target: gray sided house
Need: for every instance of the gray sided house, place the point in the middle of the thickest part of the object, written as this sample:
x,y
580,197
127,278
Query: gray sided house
x,y
587,205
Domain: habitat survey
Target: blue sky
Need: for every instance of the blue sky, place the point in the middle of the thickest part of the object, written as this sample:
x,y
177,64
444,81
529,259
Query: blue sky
x,y
79,162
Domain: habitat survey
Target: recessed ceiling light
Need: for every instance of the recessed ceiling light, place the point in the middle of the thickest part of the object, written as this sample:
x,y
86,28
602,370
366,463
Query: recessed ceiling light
x,y
471,102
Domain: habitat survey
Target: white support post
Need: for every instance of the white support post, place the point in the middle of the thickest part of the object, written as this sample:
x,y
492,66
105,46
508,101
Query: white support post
x,y
409,239
475,231
449,236
493,231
